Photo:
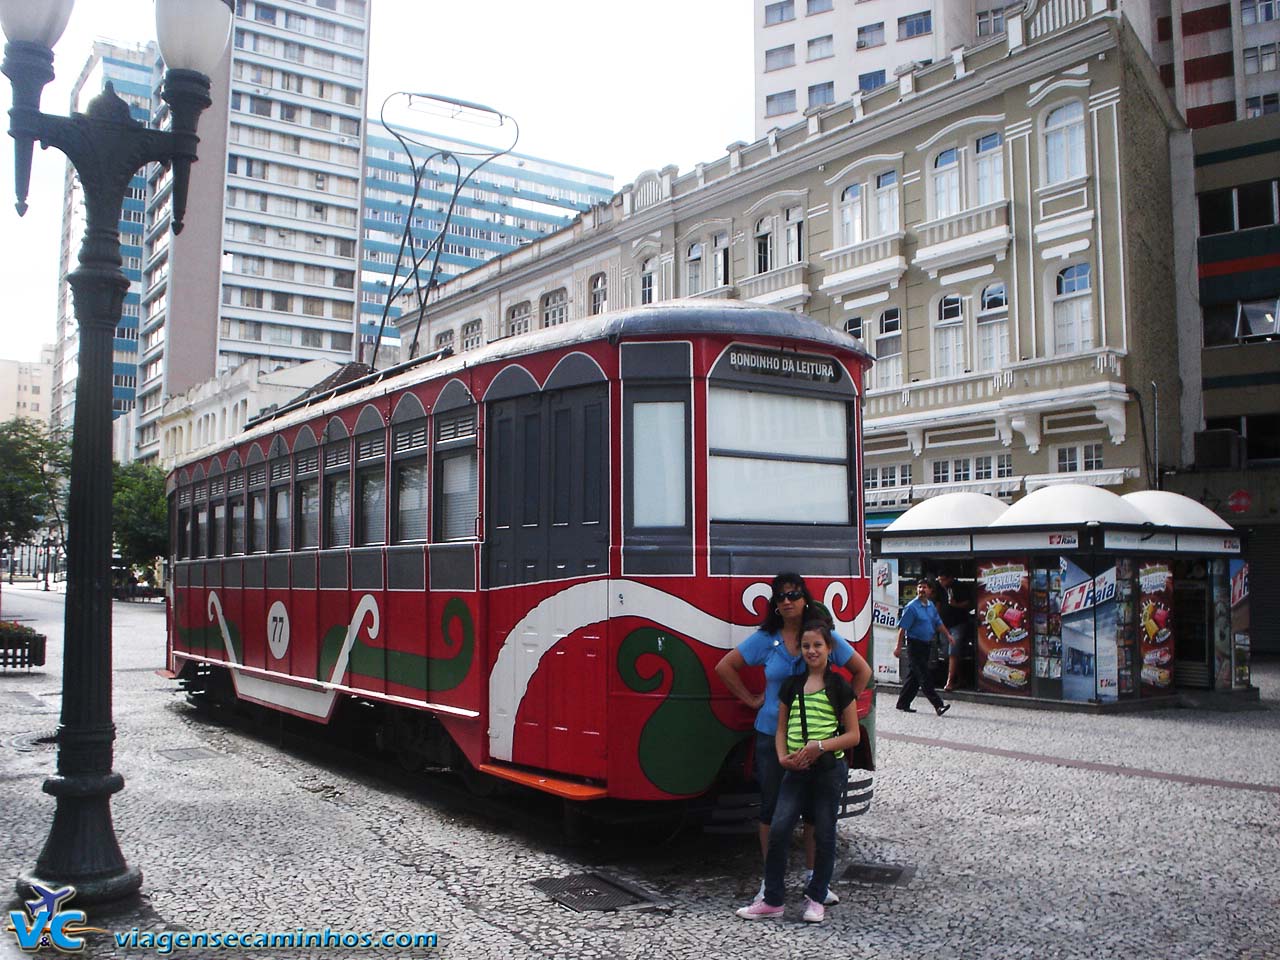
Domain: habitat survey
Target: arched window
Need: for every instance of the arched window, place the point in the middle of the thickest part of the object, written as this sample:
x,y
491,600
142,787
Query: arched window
x,y
599,294
851,214
946,183
409,449
472,333
1073,310
948,338
989,168
993,327
555,308
337,485
646,281
720,259
693,269
764,244
519,318
853,327
1064,142
795,234
371,478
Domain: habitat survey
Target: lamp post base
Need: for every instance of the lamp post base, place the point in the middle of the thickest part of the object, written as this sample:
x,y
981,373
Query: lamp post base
x,y
81,850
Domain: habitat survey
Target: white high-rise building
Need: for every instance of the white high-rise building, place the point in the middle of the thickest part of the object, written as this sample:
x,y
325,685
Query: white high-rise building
x,y
265,270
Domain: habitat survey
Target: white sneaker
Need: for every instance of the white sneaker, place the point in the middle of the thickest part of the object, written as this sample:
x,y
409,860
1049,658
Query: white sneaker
x,y
813,912
830,900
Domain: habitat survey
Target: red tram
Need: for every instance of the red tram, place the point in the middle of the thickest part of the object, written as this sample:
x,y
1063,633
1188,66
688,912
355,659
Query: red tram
x,y
526,560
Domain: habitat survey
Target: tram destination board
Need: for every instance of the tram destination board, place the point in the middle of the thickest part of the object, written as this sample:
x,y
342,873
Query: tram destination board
x,y
785,364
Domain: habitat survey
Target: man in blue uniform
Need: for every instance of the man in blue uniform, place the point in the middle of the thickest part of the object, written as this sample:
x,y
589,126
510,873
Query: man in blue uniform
x,y
916,627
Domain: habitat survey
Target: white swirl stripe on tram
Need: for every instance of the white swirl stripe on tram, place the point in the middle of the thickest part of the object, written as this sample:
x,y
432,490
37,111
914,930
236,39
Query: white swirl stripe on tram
x,y
584,604
305,700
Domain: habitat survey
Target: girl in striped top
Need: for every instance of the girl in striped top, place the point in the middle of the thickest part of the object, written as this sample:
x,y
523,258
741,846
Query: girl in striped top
x,y
813,710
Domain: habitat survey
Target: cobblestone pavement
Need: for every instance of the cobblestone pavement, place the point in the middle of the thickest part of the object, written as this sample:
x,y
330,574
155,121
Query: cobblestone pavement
x,y
1011,856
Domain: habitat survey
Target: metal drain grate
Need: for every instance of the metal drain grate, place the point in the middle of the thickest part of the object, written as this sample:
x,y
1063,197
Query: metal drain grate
x,y
595,891
31,742
183,754
885,874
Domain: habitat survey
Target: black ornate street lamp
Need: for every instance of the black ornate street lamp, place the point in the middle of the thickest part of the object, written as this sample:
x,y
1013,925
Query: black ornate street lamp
x,y
106,147
47,554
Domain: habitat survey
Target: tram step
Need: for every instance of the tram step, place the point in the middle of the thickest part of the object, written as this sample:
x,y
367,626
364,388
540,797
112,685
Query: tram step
x,y
569,789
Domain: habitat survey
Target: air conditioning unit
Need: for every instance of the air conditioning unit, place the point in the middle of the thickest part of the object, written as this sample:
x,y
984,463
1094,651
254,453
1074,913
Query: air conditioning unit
x,y
1219,450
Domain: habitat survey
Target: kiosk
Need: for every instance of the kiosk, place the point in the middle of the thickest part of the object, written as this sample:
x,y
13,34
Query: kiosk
x,y
1080,594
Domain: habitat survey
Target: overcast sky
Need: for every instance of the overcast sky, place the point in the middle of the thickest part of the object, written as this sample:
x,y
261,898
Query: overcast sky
x,y
616,89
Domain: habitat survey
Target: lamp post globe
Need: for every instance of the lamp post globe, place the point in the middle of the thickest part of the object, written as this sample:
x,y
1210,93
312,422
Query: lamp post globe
x,y
106,147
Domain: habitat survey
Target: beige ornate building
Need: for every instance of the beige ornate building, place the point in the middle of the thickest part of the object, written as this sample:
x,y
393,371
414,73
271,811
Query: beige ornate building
x,y
26,387
996,228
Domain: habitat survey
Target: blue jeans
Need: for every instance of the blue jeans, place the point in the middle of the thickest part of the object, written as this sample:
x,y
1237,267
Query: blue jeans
x,y
768,774
816,794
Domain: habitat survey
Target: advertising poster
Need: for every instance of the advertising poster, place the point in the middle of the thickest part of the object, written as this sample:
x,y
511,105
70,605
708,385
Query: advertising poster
x,y
1046,611
884,620
1155,625
1090,665
1240,621
1004,627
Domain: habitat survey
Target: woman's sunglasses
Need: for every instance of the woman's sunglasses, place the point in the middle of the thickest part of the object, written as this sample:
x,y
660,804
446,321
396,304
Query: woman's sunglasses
x,y
792,595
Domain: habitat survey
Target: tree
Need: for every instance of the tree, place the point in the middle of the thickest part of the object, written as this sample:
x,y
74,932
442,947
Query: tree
x,y
140,515
34,464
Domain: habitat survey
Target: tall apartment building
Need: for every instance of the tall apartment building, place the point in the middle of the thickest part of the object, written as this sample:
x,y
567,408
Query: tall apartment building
x,y
1220,59
810,53
265,270
129,71
26,387
508,202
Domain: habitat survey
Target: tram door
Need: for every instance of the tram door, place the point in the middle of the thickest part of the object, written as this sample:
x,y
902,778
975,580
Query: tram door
x,y
547,521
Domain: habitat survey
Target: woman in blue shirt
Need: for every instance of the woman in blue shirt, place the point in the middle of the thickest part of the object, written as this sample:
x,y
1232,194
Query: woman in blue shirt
x,y
776,647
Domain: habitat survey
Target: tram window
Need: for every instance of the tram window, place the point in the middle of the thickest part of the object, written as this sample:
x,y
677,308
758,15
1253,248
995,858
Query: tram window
x,y
371,491
411,500
200,520
257,525
308,532
659,464
280,518
768,450
456,513
235,525
218,542
184,534
337,513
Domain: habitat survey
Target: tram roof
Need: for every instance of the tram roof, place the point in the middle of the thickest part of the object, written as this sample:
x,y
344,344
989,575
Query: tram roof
x,y
666,319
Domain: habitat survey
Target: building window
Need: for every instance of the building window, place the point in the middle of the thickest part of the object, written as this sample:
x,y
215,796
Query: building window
x,y
820,48
821,94
948,338
780,57
444,340
991,22
1261,106
693,269
989,168
1257,11
946,183
1256,59
817,6
1073,310
764,244
887,203
471,334
850,213
853,327
777,104
1064,142
779,12
599,294
720,259
519,319
889,349
993,327
915,25
871,81
1242,321
795,234
646,281
942,471
1239,208
872,35
555,308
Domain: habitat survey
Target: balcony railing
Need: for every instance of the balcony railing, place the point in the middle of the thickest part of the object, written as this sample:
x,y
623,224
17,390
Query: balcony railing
x,y
861,266
783,287
974,234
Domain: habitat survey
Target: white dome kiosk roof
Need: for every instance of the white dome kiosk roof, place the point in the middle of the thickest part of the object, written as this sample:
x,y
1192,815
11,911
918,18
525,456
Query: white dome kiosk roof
x,y
950,511
1167,509
1070,504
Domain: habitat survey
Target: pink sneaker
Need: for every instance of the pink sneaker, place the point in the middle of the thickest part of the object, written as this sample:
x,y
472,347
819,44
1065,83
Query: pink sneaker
x,y
760,911
814,912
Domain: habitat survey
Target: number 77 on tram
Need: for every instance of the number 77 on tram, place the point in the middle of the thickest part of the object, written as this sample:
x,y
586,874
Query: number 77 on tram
x,y
525,560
